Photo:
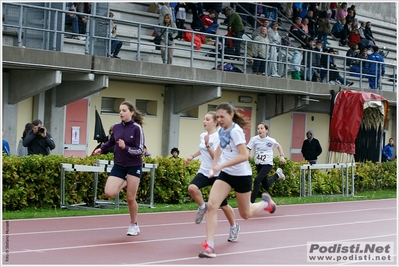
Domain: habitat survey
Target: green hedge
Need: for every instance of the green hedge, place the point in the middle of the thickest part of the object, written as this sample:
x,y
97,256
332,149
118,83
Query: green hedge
x,y
34,181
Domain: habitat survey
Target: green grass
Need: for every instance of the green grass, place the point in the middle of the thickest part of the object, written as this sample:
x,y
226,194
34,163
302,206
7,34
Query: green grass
x,y
30,213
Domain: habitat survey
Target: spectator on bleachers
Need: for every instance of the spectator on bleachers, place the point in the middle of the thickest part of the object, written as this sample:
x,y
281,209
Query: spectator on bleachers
x,y
181,15
218,7
365,42
73,20
235,25
354,38
296,10
348,27
82,19
353,7
274,38
259,52
375,70
164,10
288,10
327,61
333,7
173,8
368,33
295,67
352,61
209,22
364,54
351,16
297,30
311,23
338,28
307,59
317,61
323,28
116,44
342,11
353,52
266,23
167,39
305,25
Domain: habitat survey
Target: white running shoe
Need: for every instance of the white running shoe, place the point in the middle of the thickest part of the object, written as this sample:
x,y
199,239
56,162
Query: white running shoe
x,y
200,214
280,174
234,233
133,230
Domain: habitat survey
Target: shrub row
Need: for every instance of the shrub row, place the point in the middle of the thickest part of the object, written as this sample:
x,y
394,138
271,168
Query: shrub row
x,y
34,181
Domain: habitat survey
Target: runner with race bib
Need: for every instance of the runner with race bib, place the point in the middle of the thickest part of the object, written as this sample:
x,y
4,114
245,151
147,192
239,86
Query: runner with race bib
x,y
262,145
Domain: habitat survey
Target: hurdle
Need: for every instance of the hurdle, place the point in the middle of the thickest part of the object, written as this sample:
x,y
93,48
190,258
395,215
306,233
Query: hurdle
x,y
100,167
341,166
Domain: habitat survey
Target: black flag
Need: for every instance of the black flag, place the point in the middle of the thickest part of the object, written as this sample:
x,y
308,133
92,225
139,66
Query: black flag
x,y
99,133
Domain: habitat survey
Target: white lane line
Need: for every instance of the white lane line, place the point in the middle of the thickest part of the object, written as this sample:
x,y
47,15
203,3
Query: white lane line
x,y
189,211
189,223
192,237
263,250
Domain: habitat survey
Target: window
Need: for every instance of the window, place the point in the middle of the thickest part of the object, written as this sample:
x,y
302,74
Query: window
x,y
110,104
212,108
190,113
148,107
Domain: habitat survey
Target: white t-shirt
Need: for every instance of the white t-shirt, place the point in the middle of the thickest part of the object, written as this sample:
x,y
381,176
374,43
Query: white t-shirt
x,y
237,137
206,159
263,149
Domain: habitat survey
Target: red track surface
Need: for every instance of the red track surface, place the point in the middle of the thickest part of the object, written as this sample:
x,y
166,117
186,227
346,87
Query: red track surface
x,y
174,239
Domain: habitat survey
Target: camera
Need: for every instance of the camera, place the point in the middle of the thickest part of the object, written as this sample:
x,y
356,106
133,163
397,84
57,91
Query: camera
x,y
40,130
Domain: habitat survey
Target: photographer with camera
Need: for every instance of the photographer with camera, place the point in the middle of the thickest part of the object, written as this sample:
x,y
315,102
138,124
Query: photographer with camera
x,y
38,140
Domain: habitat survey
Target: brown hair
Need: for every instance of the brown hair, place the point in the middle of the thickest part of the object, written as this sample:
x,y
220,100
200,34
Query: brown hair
x,y
264,125
241,120
167,16
137,116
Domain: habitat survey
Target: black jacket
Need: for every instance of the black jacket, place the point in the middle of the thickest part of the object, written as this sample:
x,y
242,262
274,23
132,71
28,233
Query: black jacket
x,y
36,144
311,149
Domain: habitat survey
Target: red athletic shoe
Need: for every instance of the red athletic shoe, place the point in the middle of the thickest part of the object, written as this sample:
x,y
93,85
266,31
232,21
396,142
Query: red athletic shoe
x,y
207,251
272,206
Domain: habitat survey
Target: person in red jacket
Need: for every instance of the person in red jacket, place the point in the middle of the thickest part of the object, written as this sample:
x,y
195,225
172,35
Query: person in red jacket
x,y
210,26
354,38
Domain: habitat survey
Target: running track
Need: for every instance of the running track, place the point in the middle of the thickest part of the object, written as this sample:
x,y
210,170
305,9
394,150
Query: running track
x,y
174,239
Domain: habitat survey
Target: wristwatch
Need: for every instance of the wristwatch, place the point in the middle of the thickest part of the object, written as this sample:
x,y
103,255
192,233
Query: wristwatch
x,y
208,146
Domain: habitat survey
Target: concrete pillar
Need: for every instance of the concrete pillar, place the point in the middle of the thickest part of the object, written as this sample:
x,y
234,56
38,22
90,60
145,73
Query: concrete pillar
x,y
9,122
170,124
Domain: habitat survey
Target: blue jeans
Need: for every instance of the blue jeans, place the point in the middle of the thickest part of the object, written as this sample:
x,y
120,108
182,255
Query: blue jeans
x,y
212,29
116,45
320,36
74,21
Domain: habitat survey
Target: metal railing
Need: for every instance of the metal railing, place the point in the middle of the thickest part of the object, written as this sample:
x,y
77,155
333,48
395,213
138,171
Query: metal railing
x,y
53,31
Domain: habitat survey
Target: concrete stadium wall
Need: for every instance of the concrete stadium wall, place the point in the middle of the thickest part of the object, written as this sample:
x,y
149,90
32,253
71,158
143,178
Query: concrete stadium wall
x,y
384,10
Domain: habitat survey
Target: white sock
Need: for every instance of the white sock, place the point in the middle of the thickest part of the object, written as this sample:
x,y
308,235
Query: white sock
x,y
265,204
233,227
202,206
210,243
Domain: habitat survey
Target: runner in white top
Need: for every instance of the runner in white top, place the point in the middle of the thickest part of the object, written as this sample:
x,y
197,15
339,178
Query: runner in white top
x,y
209,141
263,145
235,173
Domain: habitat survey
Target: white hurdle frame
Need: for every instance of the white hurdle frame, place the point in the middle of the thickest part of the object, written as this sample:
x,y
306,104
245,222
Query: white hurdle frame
x,y
101,166
342,166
